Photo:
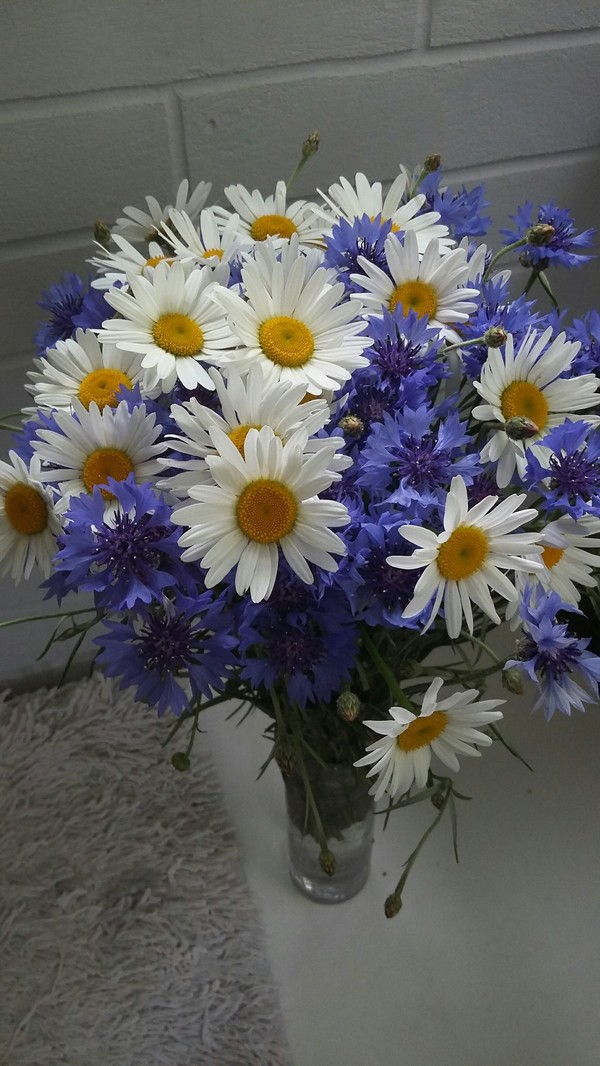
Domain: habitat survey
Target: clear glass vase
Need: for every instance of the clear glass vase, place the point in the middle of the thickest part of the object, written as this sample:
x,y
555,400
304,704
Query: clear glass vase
x,y
346,814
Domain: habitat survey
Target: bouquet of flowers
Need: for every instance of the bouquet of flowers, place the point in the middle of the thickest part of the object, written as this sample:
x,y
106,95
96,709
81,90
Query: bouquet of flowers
x,y
304,455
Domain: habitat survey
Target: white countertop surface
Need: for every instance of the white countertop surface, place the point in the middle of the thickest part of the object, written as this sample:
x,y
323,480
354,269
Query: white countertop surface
x,y
494,962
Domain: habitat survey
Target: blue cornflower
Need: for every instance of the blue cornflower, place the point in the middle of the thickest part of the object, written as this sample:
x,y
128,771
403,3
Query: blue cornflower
x,y
496,309
570,483
158,648
415,455
586,330
126,558
550,655
363,236
303,637
72,305
403,352
377,591
562,247
461,211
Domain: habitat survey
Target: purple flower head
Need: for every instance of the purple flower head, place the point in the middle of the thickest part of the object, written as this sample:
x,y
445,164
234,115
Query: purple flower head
x,y
162,646
553,657
127,559
303,637
72,305
377,591
495,309
570,482
461,211
349,240
415,455
562,248
586,330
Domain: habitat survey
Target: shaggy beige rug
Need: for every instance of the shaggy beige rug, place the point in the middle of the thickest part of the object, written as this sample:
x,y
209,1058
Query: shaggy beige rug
x,y
128,936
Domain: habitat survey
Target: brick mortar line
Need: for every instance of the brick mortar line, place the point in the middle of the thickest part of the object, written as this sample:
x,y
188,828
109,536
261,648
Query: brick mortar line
x,y
410,59
176,132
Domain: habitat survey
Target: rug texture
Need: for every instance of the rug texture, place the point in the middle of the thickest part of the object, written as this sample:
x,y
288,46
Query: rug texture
x,y
128,936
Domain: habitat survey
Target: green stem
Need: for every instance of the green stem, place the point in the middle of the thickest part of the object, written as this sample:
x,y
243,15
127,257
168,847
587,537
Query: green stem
x,y
6,426
543,280
531,281
394,687
481,644
394,902
503,251
462,344
43,617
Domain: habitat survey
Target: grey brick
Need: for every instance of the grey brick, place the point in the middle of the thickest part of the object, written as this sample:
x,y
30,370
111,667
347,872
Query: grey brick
x,y
68,169
472,112
461,21
72,47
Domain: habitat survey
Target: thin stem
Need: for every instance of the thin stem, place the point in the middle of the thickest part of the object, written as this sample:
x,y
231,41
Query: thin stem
x,y
503,251
379,661
43,617
394,902
481,644
462,344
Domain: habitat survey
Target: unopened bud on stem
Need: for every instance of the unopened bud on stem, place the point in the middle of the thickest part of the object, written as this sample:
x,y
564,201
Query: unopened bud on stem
x,y
541,234
495,336
352,425
431,163
311,144
327,862
101,233
521,428
348,706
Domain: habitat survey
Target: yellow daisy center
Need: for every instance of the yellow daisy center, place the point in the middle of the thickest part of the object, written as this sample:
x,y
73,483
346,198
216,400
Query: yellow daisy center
x,y
395,227
104,463
551,556
154,260
238,436
286,341
101,387
522,399
415,296
26,509
463,553
266,511
178,334
213,251
272,226
422,731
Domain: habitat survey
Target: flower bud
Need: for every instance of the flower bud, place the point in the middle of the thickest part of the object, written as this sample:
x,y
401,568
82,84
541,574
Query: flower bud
x,y
285,757
512,680
101,233
348,706
352,425
520,428
311,144
180,761
431,163
392,905
327,862
495,336
541,234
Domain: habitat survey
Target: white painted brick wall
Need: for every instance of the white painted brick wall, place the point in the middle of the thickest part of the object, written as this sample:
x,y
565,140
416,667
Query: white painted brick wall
x,y
101,104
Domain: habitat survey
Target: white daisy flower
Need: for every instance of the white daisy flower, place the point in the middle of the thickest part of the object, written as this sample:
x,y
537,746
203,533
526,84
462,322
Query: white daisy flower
x,y
95,445
403,754
115,266
261,502
139,225
261,217
82,369
171,321
466,560
529,385
207,245
566,561
434,285
29,522
245,403
293,322
353,201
